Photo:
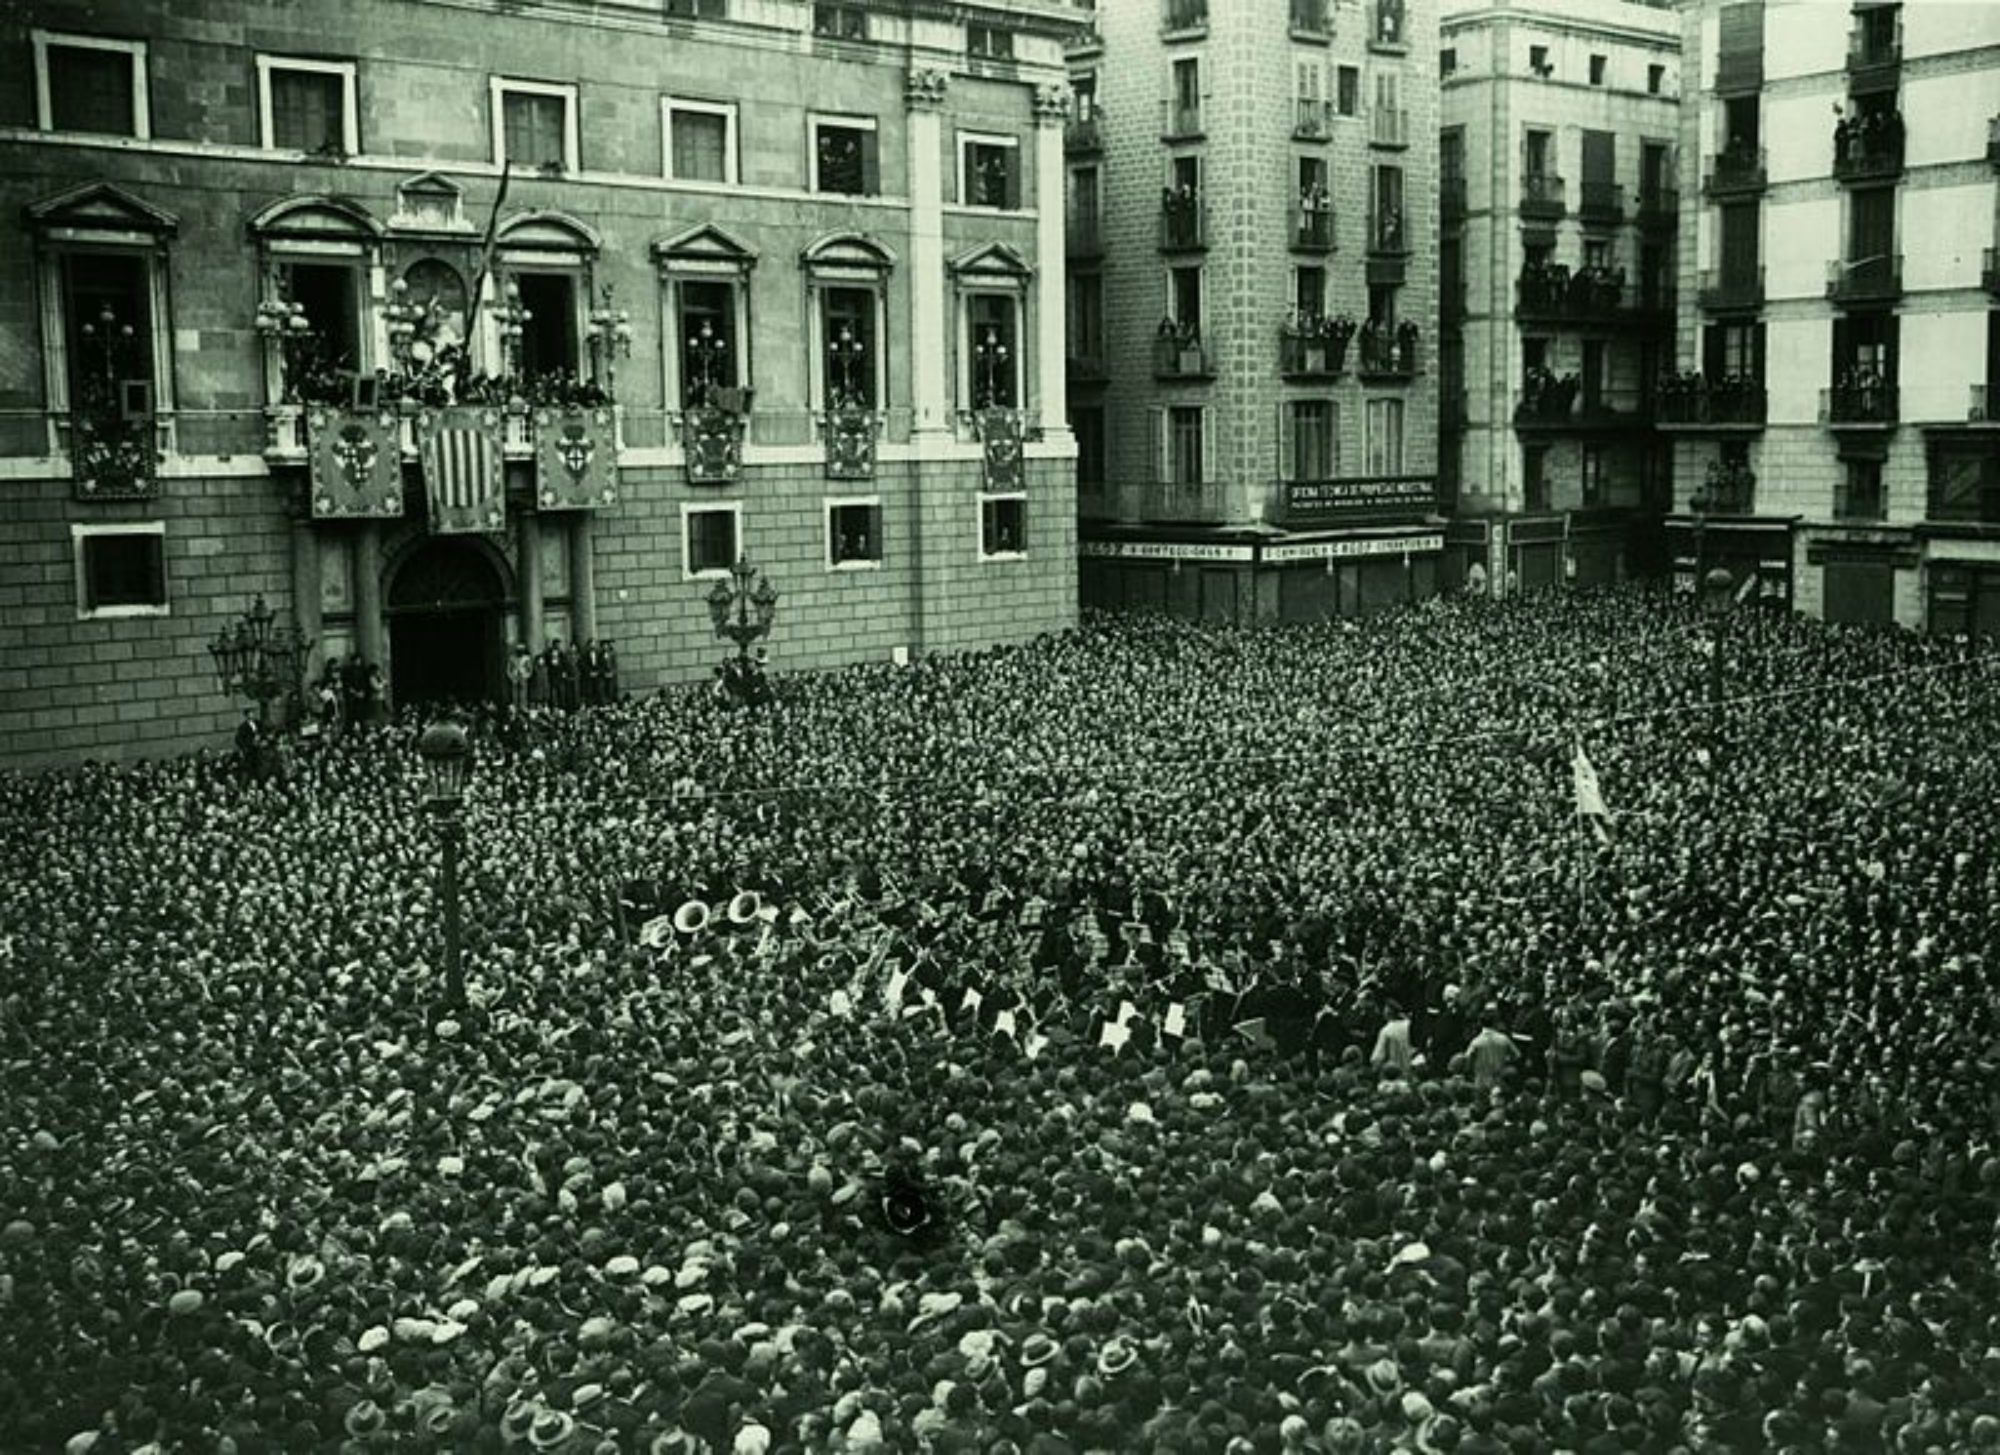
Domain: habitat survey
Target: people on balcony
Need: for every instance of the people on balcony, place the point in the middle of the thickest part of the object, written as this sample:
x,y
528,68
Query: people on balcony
x,y
1869,135
1548,395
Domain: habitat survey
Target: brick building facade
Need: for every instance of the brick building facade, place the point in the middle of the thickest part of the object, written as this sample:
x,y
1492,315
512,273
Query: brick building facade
x,y
1253,290
821,244
1557,283
1841,304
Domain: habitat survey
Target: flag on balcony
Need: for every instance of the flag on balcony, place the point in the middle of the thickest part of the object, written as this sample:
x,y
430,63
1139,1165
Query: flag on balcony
x,y
1000,440
357,463
465,475
1590,796
576,458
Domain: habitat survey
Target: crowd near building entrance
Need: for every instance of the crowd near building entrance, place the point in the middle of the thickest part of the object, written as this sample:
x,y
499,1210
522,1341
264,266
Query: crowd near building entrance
x,y
447,612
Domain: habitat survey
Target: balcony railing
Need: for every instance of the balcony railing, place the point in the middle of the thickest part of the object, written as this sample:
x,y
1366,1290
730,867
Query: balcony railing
x,y
1312,18
1083,237
1736,169
1551,290
1189,501
1870,148
1989,272
1182,355
1565,406
1731,288
1602,202
1391,128
1860,406
1729,489
1313,348
1312,118
1688,401
1388,353
1180,120
1873,59
1085,133
1868,280
1453,204
1312,226
1659,207
1542,195
1183,222
1387,232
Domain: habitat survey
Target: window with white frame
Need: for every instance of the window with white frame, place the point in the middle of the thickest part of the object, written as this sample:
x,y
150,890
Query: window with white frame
x,y
854,533
1312,439
1184,298
1184,446
1003,526
535,125
121,569
552,334
709,341
700,140
1385,436
992,342
989,171
845,156
91,83
331,291
850,370
709,538
989,42
308,105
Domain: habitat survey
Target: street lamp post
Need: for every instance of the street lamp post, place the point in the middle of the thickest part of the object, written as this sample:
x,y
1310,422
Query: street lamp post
x,y
743,613
992,358
846,352
1718,600
511,318
610,339
706,352
258,657
447,755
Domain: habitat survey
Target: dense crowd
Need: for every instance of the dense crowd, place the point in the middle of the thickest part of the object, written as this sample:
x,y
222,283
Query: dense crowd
x,y
1151,1038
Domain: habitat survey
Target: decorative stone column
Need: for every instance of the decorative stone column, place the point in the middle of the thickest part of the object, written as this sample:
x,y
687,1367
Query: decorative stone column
x,y
371,633
1051,300
582,578
305,595
930,366
528,533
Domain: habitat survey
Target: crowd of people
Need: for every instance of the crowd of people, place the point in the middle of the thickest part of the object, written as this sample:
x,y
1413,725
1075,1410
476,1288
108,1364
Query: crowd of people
x,y
1155,1037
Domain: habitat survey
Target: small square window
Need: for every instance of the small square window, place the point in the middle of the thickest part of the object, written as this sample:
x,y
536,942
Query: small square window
x,y
989,42
853,534
309,106
1656,79
840,22
701,142
1348,90
1448,61
1597,65
1003,525
120,570
1538,61
992,174
93,85
845,159
709,533
537,126
698,9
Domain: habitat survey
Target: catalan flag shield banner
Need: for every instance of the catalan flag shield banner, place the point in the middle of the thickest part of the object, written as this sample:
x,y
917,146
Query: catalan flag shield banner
x,y
464,469
1590,796
357,463
576,458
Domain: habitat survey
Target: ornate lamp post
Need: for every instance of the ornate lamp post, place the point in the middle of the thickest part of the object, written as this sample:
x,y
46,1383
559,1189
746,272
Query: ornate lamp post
x,y
991,357
706,352
510,320
259,658
846,353
447,757
610,339
1718,602
743,614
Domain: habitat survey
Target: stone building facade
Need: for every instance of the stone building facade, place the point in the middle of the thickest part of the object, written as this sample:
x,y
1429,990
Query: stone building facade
x,y
1559,198
1253,288
1841,300
820,245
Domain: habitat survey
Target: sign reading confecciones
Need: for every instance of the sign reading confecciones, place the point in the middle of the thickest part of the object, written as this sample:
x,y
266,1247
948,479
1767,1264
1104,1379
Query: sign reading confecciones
x,y
1310,501
1247,554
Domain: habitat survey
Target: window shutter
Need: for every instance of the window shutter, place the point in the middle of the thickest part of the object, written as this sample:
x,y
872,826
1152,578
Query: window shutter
x,y
871,170
1713,353
1015,163
1757,352
1207,447
1162,447
1288,441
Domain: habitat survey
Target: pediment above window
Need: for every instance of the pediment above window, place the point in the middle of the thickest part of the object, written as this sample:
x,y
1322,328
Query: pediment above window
x,y
430,203
319,218
706,247
99,207
991,262
848,252
545,231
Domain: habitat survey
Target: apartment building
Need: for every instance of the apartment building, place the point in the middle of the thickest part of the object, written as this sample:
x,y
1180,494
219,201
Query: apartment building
x,y
1834,429
1559,203
712,278
1252,255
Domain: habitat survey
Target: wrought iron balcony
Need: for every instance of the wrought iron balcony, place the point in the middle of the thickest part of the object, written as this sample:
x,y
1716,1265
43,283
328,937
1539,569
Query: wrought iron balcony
x,y
1725,289
1314,348
1312,226
1727,405
1735,171
1602,202
1730,488
1193,502
1312,118
1859,406
1874,57
1659,208
1868,280
1312,19
1870,149
1085,133
1182,355
1180,120
1388,354
1542,195
1183,222
1387,232
1564,406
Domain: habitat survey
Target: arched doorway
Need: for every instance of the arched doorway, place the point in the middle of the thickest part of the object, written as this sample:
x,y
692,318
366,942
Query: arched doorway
x,y
447,609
